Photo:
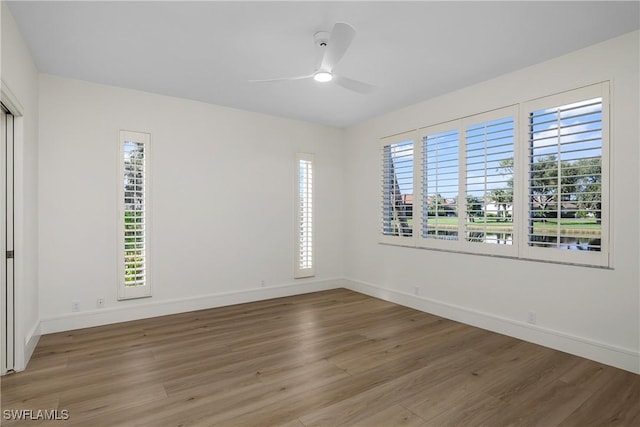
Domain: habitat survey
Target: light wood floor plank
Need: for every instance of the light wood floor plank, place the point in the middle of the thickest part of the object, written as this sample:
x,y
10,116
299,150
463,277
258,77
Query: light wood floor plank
x,y
393,416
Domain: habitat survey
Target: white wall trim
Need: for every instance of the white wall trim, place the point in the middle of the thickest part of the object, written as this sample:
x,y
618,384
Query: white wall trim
x,y
109,315
620,357
10,100
30,343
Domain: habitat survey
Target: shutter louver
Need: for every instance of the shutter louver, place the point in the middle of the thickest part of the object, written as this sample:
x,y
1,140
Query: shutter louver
x,y
565,176
133,194
304,213
397,189
489,181
134,214
440,169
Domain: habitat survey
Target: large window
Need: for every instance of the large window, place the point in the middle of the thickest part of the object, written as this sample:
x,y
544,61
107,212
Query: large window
x,y
527,181
133,216
567,176
304,262
398,189
468,184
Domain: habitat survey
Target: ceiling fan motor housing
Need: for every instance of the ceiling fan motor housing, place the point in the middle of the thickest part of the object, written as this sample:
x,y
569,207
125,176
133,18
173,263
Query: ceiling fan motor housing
x,y
321,38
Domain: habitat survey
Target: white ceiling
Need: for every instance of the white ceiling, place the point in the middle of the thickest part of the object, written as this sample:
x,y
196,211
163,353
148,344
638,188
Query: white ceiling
x,y
208,51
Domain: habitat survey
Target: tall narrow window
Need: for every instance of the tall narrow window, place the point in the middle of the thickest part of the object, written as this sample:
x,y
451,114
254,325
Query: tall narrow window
x,y
304,217
397,189
440,170
133,244
489,149
567,197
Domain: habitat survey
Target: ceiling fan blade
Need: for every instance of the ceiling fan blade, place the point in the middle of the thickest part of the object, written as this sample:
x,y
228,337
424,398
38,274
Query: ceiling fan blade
x,y
354,85
340,40
283,79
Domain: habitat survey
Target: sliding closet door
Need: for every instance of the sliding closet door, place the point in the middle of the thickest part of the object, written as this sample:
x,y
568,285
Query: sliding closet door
x,y
7,286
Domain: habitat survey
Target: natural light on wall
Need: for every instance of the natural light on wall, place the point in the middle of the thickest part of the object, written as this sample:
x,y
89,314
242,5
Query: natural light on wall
x,y
304,257
133,218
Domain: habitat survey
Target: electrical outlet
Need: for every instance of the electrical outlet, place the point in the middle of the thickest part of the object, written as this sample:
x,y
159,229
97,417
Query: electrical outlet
x,y
263,283
416,290
532,318
75,306
100,302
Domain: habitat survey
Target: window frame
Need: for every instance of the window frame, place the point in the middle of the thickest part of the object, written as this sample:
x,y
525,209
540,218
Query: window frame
x,y
300,271
491,248
423,133
519,248
461,244
591,258
139,291
412,137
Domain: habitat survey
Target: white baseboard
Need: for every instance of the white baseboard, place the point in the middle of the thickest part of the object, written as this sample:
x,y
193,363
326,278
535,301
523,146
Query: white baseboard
x,y
105,316
608,354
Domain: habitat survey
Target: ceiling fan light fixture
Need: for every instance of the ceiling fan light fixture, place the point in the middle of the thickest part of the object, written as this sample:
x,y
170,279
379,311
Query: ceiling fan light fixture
x,y
334,44
323,76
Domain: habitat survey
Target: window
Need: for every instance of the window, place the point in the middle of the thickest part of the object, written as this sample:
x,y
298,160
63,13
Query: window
x,y
567,169
489,179
304,266
440,174
489,185
133,217
468,184
397,189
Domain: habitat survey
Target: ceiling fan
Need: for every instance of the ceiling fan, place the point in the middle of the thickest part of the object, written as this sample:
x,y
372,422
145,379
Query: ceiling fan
x,y
335,45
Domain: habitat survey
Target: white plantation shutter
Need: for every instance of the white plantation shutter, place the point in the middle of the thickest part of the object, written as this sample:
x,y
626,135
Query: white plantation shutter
x,y
440,184
489,179
304,262
528,181
468,184
133,259
567,166
397,159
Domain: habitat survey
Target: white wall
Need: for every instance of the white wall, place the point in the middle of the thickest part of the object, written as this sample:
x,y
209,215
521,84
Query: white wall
x,y
222,202
587,311
20,77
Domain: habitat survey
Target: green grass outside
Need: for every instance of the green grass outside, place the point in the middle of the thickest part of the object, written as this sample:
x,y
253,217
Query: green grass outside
x,y
568,226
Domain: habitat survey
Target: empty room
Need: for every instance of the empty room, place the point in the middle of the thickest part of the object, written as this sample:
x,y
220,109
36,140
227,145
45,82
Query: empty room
x,y
303,213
